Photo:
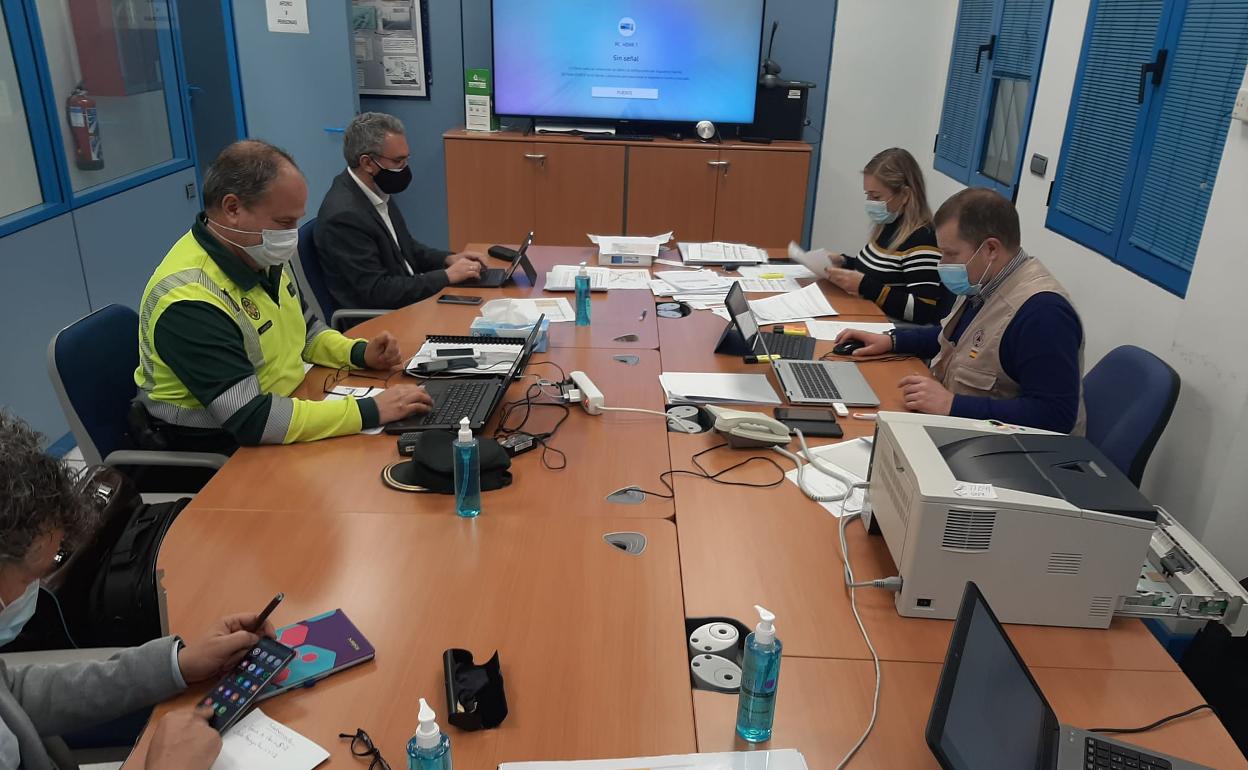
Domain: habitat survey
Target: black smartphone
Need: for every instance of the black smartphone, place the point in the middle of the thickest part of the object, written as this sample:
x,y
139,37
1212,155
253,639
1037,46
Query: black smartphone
x,y
459,299
234,694
784,413
819,423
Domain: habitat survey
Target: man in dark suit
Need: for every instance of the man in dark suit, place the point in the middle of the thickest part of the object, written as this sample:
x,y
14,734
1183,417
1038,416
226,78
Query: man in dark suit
x,y
369,258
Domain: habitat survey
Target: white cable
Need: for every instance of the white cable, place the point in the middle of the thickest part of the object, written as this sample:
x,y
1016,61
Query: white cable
x,y
890,583
681,424
875,658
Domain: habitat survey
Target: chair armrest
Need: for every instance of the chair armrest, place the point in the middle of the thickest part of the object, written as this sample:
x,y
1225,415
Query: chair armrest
x,y
353,313
149,457
58,657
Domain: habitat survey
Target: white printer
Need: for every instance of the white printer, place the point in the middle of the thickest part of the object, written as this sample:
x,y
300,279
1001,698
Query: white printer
x,y
1046,525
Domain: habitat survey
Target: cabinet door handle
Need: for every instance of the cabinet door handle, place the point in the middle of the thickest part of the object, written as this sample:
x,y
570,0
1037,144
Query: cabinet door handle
x,y
537,156
717,163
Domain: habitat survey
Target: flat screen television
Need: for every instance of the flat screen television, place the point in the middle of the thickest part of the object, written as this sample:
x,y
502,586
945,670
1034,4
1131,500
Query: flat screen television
x,y
627,60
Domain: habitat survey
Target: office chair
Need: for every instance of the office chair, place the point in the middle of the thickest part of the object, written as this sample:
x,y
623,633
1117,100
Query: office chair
x,y
1129,397
91,364
311,278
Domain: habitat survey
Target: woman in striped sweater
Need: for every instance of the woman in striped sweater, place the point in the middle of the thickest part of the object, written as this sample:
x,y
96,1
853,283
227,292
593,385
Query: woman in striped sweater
x,y
897,268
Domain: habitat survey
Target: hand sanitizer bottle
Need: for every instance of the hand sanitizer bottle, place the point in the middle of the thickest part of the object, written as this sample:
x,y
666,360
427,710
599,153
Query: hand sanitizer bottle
x,y
760,672
430,749
467,472
582,296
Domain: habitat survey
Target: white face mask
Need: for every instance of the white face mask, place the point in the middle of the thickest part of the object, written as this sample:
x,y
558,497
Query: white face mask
x,y
877,212
15,614
276,247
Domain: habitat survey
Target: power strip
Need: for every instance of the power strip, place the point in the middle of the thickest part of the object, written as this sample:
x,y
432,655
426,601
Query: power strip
x,y
591,397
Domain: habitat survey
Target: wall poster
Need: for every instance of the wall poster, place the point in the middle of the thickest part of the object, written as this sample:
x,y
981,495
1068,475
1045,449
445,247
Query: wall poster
x,y
391,45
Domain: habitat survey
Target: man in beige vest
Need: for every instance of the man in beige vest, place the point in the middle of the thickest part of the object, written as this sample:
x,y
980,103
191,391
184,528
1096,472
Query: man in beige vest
x,y
1012,347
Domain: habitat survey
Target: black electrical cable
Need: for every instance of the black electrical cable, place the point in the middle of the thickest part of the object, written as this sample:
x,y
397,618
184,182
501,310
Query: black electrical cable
x,y
703,473
1154,725
527,403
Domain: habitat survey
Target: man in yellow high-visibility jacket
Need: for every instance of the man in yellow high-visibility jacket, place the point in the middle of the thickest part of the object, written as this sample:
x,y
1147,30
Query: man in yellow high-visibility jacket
x,y
224,332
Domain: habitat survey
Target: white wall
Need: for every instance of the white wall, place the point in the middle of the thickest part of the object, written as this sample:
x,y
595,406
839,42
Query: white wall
x,y
20,187
887,82
1197,470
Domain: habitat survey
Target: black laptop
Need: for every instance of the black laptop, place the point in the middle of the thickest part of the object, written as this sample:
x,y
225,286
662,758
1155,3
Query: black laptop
x,y
474,397
989,713
496,277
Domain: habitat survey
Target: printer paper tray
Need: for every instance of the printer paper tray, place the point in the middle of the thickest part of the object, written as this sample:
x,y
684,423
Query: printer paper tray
x,y
1181,579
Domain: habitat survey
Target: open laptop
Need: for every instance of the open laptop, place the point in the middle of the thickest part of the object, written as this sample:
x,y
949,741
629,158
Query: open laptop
x,y
804,382
738,342
495,277
474,397
989,712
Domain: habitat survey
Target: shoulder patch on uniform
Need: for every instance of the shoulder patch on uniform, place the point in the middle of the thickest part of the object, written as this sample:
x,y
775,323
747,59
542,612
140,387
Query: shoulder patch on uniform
x,y
250,307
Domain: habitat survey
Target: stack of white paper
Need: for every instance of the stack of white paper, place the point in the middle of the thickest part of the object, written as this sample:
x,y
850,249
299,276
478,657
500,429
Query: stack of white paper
x,y
720,253
630,245
259,743
788,271
694,281
340,392
765,285
828,330
782,759
712,388
801,305
816,261
853,458
563,278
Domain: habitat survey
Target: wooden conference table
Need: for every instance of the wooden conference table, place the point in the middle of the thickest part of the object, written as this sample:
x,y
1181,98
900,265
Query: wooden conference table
x,y
592,639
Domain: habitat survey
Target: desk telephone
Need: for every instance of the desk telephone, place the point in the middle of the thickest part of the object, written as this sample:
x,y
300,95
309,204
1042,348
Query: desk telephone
x,y
746,430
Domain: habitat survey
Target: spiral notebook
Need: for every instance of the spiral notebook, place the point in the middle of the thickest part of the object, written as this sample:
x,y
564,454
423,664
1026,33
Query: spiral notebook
x,y
323,645
494,354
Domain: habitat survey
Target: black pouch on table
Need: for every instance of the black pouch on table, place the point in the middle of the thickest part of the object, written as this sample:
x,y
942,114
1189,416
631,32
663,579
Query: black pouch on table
x,y
431,468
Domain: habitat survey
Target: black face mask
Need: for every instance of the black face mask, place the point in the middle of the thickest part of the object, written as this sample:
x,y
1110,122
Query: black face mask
x,y
391,181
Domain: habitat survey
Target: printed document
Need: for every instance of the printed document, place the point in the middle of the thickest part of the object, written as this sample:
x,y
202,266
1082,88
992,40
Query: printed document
x,y
260,743
828,330
801,305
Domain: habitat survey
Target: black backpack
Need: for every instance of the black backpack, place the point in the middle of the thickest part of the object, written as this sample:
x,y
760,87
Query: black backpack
x,y
107,593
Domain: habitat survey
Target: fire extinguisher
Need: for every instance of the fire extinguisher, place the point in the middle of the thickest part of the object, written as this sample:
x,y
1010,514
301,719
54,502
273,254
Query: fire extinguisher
x,y
84,124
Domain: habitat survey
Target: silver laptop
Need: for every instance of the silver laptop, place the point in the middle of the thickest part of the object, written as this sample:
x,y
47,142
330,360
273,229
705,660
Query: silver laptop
x,y
989,713
804,382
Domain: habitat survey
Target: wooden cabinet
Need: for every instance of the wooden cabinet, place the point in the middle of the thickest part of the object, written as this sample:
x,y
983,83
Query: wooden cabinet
x,y
761,197
672,188
579,189
501,185
490,195
498,191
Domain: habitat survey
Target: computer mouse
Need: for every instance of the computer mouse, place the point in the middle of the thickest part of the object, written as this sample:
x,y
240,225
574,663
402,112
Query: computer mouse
x,y
848,347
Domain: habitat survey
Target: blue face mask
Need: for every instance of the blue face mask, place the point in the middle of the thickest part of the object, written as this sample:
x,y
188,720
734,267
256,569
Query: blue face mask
x,y
877,212
957,280
16,613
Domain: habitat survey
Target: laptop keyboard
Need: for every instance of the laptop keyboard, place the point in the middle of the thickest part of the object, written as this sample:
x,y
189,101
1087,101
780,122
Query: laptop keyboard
x,y
458,401
792,346
814,381
1099,754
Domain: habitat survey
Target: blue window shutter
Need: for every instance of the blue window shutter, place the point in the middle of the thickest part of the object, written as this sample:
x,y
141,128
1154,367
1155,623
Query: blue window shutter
x,y
1180,164
960,115
1020,42
1101,132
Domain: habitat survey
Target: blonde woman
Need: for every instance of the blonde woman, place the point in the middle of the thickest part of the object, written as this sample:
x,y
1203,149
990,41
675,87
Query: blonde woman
x,y
897,268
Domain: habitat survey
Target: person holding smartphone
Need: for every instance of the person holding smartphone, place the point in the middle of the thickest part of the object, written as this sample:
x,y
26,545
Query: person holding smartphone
x,y
43,516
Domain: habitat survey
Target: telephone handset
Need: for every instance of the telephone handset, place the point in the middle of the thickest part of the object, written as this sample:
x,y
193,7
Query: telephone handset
x,y
746,430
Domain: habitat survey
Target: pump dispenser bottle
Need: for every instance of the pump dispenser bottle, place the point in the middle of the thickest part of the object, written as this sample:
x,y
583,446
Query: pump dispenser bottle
x,y
760,672
467,472
582,296
430,749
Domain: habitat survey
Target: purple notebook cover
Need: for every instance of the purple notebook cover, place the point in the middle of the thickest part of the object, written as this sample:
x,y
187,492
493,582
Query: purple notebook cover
x,y
323,645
